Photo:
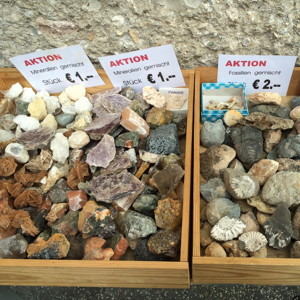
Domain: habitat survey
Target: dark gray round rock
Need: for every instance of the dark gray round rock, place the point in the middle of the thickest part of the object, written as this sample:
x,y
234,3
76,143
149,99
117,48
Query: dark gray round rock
x,y
214,188
295,102
289,147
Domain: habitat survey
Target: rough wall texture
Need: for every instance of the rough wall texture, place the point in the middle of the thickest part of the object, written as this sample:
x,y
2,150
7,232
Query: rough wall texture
x,y
198,29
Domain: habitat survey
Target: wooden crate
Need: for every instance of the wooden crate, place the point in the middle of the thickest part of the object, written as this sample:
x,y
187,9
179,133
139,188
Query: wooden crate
x,y
142,274
233,269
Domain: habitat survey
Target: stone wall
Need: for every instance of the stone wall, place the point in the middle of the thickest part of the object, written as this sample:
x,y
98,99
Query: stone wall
x,y
198,29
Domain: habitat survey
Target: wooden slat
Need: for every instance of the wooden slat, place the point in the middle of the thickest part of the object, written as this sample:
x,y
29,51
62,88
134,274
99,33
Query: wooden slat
x,y
94,273
108,273
233,270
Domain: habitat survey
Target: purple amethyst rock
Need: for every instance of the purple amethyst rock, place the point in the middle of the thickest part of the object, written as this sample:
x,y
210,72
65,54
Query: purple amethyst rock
x,y
96,98
121,189
36,139
103,153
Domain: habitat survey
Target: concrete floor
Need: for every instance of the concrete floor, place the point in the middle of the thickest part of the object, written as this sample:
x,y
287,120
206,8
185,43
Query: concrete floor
x,y
206,292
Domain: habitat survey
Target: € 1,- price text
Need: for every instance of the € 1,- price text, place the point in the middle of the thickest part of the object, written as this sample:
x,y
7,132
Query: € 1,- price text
x,y
265,85
72,78
152,78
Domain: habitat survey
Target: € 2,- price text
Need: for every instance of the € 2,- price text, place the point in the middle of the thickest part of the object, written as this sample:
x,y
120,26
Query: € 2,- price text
x,y
265,85
152,78
73,78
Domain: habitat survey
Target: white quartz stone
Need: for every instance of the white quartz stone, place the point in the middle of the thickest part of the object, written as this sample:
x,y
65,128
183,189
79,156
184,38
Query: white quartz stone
x,y
6,135
82,105
52,104
75,92
69,109
153,97
27,123
132,155
78,139
43,94
18,152
14,91
60,148
64,100
50,122
28,95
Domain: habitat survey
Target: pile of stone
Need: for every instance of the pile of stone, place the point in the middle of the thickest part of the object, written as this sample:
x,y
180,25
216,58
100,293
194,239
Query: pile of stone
x,y
250,181
90,176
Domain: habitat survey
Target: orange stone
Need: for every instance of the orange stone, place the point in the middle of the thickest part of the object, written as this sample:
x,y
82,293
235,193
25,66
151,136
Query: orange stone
x,y
93,249
134,123
77,199
86,212
93,243
120,248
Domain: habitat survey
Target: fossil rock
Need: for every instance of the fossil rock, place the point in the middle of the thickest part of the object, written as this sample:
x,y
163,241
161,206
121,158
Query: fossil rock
x,y
265,98
227,229
212,134
252,241
272,138
262,253
273,110
117,188
214,188
248,143
219,207
260,205
215,250
215,159
103,153
263,169
233,249
289,147
278,229
282,186
263,121
240,185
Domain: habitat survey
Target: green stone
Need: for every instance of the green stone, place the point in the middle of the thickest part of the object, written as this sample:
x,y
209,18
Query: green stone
x,y
137,107
64,119
145,203
127,140
67,225
21,107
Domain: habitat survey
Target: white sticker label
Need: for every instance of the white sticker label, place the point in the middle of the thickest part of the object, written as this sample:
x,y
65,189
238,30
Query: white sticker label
x,y
156,66
175,91
56,69
259,73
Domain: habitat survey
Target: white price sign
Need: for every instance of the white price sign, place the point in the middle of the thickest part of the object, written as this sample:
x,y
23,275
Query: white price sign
x,y
259,73
156,66
56,69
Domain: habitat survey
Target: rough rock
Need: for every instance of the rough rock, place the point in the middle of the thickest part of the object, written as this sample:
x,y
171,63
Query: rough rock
x,y
49,122
240,185
122,188
145,203
153,97
262,217
165,243
175,102
214,160
40,162
272,138
263,169
58,193
288,164
278,229
282,186
14,91
133,122
167,179
250,220
18,152
289,147
214,188
142,252
87,211
115,103
57,211
76,199
27,123
215,250
212,133
7,122
219,207
263,121
60,148
37,109
135,225
168,213
119,245
52,104
83,104
67,225
273,110
128,92
127,140
205,238
265,98
248,143
103,153
75,92
64,119
159,116
13,247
